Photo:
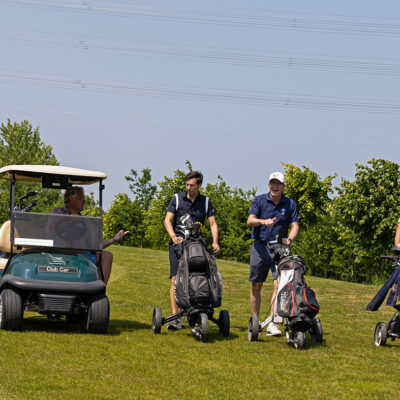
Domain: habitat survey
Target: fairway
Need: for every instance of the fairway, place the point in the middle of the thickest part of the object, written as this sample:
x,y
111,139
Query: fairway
x,y
56,360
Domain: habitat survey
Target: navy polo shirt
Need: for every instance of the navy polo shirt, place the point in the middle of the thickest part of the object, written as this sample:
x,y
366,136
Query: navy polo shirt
x,y
197,209
263,208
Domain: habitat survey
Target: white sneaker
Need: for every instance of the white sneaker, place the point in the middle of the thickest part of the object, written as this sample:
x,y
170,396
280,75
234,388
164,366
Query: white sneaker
x,y
272,330
277,319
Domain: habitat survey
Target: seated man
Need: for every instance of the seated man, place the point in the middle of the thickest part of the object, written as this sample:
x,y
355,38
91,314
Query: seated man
x,y
74,201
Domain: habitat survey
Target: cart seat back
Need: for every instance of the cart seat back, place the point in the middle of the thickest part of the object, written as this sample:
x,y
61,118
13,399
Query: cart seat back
x,y
5,239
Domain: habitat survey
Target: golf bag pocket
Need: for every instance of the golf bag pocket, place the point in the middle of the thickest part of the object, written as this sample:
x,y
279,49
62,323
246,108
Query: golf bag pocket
x,y
285,306
307,301
197,257
199,291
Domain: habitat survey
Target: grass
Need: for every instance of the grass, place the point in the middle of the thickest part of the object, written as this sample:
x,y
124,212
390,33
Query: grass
x,y
56,360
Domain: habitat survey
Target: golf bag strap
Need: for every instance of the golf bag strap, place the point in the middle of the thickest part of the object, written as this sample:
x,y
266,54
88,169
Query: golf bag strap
x,y
177,201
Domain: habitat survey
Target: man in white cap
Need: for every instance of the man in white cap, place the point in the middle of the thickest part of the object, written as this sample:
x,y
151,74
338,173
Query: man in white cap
x,y
270,214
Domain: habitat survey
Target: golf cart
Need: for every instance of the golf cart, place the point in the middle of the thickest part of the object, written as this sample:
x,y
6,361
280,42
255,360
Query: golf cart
x,y
46,260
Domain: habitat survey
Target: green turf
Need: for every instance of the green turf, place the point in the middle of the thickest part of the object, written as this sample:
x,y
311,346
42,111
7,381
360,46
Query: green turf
x,y
56,360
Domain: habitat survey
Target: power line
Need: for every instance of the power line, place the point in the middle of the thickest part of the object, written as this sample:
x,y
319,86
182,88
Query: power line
x,y
213,54
332,24
214,95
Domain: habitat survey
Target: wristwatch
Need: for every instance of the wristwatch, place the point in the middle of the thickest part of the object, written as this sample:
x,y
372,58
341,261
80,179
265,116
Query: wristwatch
x,y
291,241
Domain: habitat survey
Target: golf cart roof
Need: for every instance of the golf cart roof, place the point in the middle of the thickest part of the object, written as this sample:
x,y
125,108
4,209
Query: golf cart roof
x,y
35,173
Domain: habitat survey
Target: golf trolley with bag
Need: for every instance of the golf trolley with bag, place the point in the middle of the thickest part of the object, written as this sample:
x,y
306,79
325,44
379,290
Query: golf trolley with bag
x,y
392,329
295,302
198,285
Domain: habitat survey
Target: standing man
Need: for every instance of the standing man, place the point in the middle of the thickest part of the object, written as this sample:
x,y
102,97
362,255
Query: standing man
x,y
270,213
74,202
199,207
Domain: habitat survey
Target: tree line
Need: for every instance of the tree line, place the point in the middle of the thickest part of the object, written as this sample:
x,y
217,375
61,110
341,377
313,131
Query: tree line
x,y
343,229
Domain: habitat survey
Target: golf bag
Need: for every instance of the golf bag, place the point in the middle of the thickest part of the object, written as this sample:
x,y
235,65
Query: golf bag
x,y
295,300
198,281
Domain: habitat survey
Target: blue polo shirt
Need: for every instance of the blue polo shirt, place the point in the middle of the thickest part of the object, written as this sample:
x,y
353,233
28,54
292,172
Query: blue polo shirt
x,y
197,209
263,208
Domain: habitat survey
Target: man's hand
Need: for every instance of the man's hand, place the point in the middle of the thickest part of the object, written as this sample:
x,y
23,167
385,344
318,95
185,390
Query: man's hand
x,y
268,222
286,241
120,235
176,239
216,248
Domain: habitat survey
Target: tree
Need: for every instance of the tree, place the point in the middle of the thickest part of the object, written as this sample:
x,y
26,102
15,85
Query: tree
x,y
232,207
124,214
21,144
310,193
156,235
366,212
141,187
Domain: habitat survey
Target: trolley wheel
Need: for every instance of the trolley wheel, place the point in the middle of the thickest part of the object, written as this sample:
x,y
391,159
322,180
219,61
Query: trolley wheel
x,y
224,323
203,327
380,334
157,320
316,331
253,329
11,312
299,339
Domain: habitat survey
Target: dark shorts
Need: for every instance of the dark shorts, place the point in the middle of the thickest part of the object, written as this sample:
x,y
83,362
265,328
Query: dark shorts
x,y
173,262
261,263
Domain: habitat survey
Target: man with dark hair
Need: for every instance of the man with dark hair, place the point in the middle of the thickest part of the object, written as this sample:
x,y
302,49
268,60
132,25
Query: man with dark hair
x,y
269,214
74,201
199,207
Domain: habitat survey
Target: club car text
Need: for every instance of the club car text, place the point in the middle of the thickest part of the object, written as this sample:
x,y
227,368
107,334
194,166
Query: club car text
x,y
55,268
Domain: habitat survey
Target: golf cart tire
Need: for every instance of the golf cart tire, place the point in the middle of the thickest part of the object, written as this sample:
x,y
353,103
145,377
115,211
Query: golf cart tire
x,y
299,340
381,334
203,327
11,314
98,315
157,320
224,323
316,331
253,329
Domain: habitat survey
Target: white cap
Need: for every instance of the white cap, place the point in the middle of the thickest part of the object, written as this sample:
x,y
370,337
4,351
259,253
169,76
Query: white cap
x,y
278,176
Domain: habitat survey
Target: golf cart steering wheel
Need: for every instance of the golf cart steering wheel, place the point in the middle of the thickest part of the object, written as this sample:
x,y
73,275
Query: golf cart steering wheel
x,y
70,230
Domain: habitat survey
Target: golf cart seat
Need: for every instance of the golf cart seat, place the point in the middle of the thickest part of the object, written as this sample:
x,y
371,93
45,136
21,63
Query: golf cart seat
x,y
5,239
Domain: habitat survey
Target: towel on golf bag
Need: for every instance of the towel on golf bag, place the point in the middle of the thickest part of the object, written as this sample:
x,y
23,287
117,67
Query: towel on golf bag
x,y
294,298
378,299
198,281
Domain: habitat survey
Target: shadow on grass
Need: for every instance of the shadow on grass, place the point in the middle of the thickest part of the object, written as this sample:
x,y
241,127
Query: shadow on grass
x,y
42,324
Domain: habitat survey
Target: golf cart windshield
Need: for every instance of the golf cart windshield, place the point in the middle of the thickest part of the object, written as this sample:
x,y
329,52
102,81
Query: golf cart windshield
x,y
29,229
59,231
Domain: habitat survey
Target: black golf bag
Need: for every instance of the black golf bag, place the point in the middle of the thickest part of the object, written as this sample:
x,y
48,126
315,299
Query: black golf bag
x,y
198,281
295,300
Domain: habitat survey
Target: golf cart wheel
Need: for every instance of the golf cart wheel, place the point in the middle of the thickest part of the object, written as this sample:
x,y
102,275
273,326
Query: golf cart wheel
x,y
203,327
253,329
299,339
157,320
380,334
224,323
98,315
316,331
11,313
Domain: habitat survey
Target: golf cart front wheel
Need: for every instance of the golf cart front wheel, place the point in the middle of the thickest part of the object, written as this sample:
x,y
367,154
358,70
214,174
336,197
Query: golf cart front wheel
x,y
157,320
203,327
299,339
253,329
98,315
380,334
11,313
224,323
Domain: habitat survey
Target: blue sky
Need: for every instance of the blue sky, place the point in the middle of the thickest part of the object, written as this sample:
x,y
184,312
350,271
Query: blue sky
x,y
235,87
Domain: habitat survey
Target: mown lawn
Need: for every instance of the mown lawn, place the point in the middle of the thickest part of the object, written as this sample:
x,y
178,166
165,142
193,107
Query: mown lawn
x,y
56,360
